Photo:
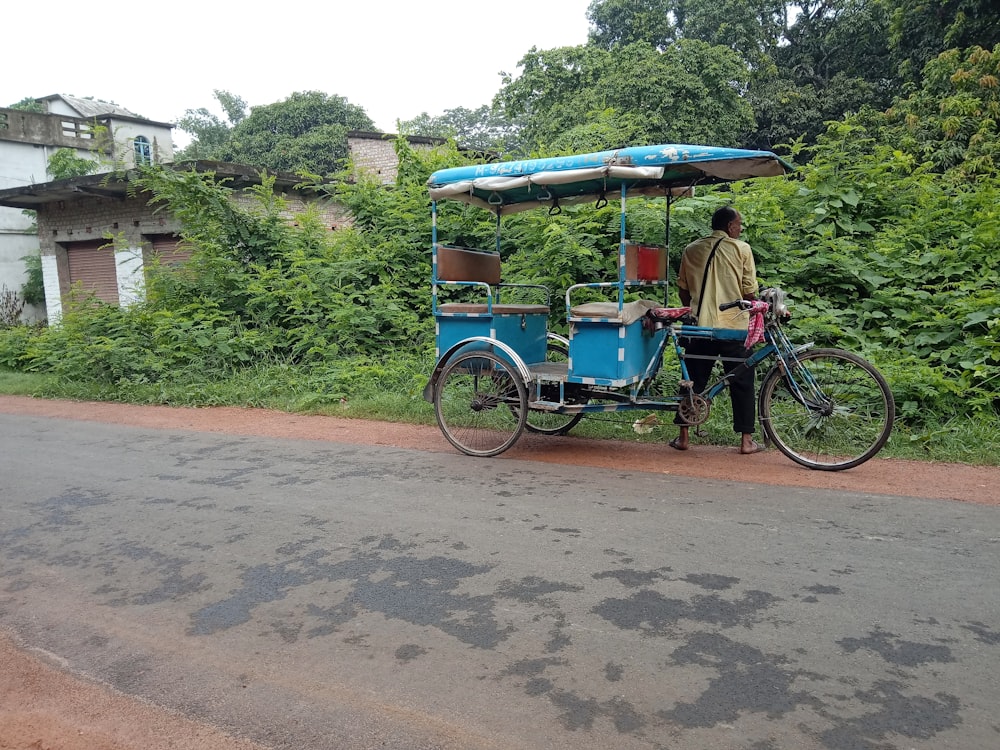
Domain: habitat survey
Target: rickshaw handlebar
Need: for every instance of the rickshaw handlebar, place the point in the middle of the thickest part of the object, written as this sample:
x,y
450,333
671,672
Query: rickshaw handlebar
x,y
772,299
743,304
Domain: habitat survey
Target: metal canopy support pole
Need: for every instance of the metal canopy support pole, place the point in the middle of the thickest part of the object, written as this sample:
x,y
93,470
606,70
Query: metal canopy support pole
x,y
498,230
621,254
434,254
666,243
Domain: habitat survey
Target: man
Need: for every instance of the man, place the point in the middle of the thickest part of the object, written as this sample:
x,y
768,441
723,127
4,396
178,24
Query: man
x,y
716,269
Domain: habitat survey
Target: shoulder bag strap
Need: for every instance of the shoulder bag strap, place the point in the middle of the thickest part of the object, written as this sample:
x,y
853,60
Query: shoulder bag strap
x,y
704,279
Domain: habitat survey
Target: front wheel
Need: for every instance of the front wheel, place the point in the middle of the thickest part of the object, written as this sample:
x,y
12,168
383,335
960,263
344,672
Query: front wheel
x,y
480,403
832,410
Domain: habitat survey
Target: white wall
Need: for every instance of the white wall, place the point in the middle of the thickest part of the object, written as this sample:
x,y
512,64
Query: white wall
x,y
158,137
53,297
131,281
21,164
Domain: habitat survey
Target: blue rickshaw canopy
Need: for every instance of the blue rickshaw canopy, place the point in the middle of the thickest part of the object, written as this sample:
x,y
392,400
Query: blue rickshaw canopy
x,y
668,169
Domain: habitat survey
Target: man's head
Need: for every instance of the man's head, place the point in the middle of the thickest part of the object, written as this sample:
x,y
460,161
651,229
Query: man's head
x,y
728,219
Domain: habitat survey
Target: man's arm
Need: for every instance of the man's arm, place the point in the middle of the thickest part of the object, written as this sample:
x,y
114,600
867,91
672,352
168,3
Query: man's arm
x,y
749,281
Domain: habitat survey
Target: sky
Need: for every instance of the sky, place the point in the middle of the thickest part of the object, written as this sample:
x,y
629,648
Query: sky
x,y
395,59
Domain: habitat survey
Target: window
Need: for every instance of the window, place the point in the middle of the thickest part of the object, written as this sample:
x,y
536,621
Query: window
x,y
77,129
143,151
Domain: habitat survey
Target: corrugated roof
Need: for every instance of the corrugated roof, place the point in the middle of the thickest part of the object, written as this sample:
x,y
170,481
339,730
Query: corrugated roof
x,y
95,107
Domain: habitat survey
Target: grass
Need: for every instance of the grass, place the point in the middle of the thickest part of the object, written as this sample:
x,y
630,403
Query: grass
x,y
392,392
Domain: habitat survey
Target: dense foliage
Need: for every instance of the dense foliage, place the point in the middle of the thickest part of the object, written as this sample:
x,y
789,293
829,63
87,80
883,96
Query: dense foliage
x,y
886,237
880,254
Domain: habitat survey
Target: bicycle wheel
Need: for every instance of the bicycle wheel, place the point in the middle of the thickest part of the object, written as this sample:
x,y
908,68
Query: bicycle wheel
x,y
480,403
832,411
549,423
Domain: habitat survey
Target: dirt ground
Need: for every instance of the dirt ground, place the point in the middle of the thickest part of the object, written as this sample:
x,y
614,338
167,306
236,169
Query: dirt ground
x,y
43,706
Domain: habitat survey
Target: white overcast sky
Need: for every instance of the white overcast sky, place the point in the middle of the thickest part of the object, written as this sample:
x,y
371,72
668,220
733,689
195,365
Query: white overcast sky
x,y
393,58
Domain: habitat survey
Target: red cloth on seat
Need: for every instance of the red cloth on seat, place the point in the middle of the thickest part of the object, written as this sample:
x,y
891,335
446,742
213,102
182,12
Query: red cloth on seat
x,y
669,313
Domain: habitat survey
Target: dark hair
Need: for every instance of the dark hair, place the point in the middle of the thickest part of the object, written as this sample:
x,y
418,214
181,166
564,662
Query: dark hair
x,y
722,218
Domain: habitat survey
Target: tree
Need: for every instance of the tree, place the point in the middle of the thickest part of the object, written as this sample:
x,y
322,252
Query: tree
x,y
618,23
33,289
210,132
553,91
810,61
752,28
952,120
482,129
921,29
834,59
28,104
690,92
305,132
65,163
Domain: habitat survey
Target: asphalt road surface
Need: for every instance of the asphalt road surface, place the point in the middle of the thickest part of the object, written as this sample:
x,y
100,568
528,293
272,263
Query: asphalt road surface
x,y
315,595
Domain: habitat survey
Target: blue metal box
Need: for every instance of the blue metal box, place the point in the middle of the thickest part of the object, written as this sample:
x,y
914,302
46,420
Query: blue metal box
x,y
523,332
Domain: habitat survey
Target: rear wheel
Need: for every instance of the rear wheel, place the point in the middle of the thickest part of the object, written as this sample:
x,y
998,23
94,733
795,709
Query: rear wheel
x,y
833,410
480,403
551,423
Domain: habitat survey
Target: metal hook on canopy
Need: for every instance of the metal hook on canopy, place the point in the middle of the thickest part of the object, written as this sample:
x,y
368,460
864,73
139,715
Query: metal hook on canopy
x,y
495,199
602,200
555,209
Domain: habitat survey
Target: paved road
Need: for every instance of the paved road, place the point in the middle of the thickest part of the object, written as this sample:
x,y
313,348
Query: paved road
x,y
316,595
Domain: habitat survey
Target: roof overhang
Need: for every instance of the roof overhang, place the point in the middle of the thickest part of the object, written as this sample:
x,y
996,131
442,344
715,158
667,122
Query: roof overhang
x,y
115,185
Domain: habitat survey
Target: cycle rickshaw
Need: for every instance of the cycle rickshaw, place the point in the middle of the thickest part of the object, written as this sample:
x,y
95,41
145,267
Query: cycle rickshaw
x,y
500,371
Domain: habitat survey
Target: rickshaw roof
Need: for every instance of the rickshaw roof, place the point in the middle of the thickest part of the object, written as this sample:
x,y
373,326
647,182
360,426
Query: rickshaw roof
x,y
512,186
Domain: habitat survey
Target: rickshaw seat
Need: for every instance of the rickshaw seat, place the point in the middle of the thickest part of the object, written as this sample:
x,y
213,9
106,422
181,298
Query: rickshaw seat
x,y
608,311
462,264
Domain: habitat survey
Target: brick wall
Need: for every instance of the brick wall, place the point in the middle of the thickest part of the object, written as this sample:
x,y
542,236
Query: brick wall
x,y
375,154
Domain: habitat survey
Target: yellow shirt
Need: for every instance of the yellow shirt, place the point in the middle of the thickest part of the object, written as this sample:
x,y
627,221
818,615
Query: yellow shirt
x,y
733,276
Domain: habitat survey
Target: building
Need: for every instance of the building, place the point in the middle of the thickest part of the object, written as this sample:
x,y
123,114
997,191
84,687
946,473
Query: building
x,y
108,134
95,232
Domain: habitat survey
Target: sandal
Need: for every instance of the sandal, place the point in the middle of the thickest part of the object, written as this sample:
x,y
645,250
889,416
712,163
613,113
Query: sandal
x,y
755,448
676,444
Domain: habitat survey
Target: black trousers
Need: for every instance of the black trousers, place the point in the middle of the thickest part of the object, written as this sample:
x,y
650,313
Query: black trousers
x,y
741,387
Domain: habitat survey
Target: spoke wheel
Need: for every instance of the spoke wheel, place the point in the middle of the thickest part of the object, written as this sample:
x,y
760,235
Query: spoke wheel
x,y
480,403
840,417
550,423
